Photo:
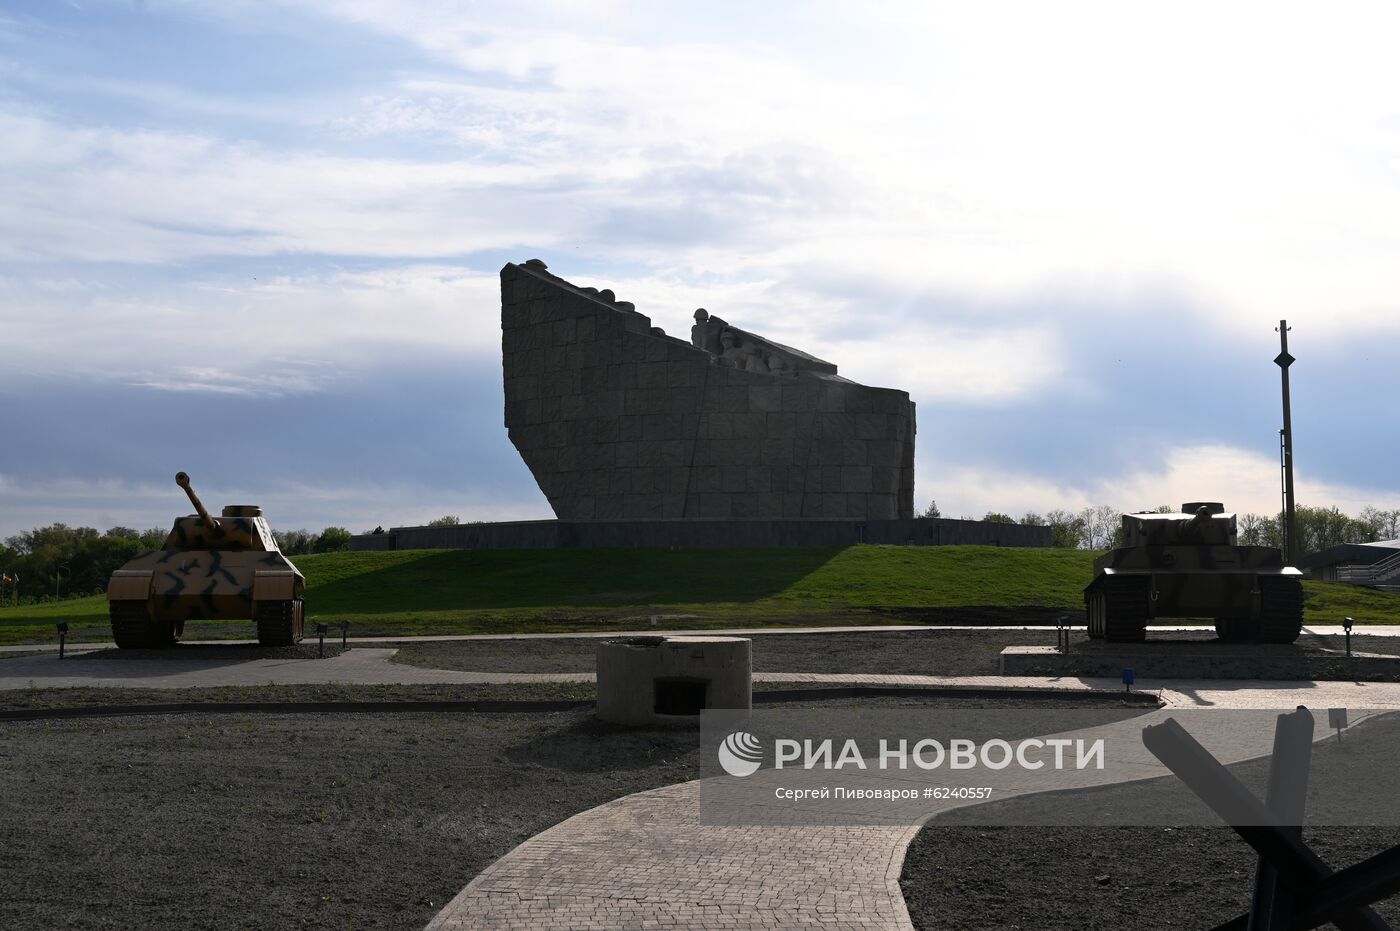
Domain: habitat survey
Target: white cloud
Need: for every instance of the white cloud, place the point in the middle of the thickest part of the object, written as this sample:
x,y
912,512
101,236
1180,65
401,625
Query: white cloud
x,y
220,381
1244,481
815,183
288,334
1095,149
336,319
161,197
1096,146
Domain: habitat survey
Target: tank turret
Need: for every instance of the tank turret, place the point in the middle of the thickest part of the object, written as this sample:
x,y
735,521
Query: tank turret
x,y
224,568
1189,565
241,527
1196,525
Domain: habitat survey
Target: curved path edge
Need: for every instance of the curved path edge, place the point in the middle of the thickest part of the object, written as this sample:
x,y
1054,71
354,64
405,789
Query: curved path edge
x,y
647,861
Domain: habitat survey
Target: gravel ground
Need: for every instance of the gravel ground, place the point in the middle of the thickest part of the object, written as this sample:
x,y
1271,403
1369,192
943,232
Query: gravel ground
x,y
307,649
17,699
936,652
308,821
1360,643
969,877
65,698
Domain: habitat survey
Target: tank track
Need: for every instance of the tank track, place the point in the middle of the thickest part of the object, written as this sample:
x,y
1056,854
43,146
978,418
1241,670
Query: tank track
x,y
133,628
131,625
1093,610
1125,608
277,623
1236,629
1280,609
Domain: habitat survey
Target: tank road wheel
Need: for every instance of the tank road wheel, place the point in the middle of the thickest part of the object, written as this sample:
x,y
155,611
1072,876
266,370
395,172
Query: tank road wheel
x,y
1125,609
163,634
131,624
1094,611
134,629
1236,629
279,622
1280,609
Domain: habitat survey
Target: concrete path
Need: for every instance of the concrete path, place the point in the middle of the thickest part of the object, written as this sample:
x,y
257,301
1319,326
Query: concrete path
x,y
368,666
648,861
1377,630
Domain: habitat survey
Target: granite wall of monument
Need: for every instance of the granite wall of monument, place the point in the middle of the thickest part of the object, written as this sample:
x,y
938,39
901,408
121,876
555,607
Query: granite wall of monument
x,y
617,420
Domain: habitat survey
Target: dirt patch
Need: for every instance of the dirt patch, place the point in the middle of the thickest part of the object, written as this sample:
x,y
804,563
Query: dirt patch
x,y
977,615
965,876
1198,655
962,652
330,821
934,652
996,878
307,649
1360,643
25,699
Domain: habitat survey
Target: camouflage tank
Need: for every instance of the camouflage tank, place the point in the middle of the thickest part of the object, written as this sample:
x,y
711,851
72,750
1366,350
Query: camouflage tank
x,y
224,568
1190,565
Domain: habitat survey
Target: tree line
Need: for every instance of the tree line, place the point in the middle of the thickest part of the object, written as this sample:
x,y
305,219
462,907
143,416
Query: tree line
x,y
59,561
1101,527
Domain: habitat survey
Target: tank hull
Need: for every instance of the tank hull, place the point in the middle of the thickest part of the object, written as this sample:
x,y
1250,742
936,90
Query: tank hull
x,y
203,584
1247,590
226,568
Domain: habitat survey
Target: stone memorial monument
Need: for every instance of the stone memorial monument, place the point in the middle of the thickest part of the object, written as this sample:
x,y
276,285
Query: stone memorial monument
x,y
618,421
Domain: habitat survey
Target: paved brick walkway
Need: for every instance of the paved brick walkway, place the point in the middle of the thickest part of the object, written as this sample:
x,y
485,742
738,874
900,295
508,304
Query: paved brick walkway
x,y
648,861
645,861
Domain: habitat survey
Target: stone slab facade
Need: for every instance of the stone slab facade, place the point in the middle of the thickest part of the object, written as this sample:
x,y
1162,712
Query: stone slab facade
x,y
618,421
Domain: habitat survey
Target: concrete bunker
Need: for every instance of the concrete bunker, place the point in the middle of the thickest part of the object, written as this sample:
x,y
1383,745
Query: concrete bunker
x,y
648,680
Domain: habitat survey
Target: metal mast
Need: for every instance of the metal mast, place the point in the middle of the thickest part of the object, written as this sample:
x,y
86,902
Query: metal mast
x,y
1290,535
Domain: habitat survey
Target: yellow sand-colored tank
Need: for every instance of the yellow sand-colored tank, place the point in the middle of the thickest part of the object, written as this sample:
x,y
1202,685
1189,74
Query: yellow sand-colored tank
x,y
224,568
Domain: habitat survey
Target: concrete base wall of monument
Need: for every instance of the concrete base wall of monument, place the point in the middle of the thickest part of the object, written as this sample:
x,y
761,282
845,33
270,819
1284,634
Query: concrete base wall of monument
x,y
618,421
700,534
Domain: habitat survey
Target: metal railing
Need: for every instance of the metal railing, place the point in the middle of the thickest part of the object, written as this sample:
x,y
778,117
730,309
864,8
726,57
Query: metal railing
x,y
1387,571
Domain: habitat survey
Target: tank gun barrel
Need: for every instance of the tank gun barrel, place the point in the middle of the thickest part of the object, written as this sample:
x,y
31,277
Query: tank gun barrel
x,y
1198,521
183,481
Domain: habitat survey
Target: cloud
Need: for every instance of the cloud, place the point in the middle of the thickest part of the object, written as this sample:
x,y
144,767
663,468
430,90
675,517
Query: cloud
x,y
218,381
287,334
408,435
1077,154
358,506
1244,481
971,161
161,197
1069,241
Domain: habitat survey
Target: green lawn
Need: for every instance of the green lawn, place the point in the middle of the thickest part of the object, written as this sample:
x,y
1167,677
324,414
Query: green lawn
x,y
462,591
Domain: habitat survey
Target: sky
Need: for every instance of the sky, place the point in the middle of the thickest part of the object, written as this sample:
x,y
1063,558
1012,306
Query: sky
x,y
258,240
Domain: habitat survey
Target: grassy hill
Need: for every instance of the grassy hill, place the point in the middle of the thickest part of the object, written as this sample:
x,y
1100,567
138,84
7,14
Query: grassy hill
x,y
497,591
